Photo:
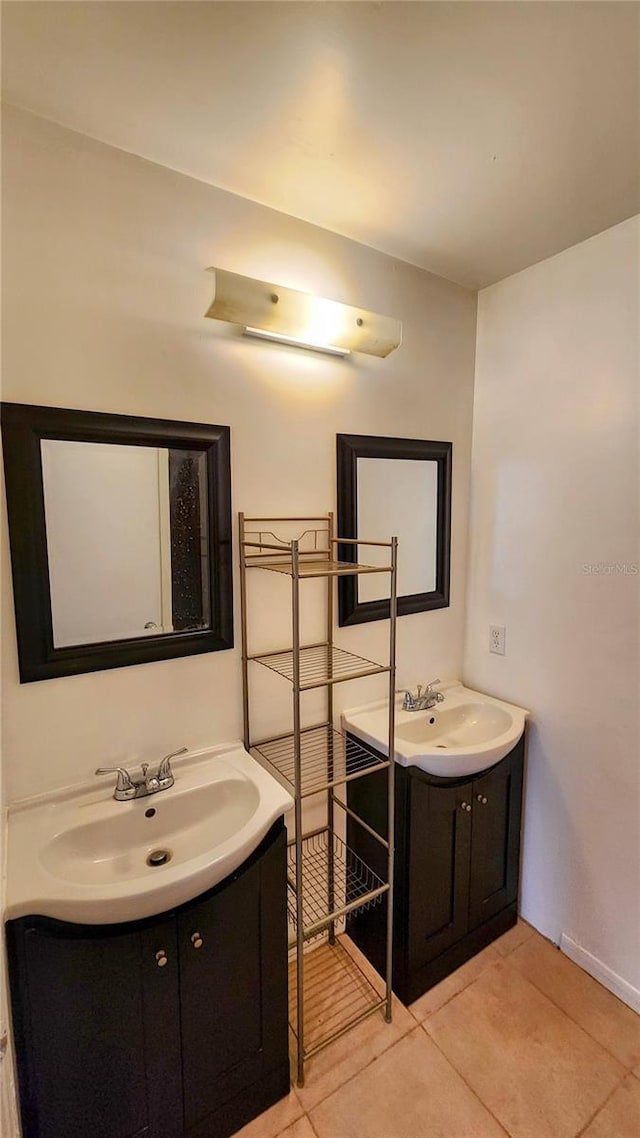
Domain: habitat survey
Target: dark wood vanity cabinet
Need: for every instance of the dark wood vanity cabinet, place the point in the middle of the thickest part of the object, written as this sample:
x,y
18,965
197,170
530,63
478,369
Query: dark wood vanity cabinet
x,y
456,868
173,1027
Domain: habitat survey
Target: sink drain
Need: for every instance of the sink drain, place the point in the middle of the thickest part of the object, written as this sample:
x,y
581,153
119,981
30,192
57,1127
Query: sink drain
x,y
158,857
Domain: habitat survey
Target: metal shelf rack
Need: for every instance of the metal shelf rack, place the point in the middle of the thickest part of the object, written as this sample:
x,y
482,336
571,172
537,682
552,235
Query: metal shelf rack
x,y
326,880
327,759
326,856
319,665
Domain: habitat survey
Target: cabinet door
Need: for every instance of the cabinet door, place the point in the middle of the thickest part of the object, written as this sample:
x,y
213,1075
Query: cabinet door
x,y
79,1017
495,843
439,848
233,989
162,1056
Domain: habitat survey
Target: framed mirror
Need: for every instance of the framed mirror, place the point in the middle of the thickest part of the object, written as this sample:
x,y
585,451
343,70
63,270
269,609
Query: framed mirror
x,y
394,487
120,534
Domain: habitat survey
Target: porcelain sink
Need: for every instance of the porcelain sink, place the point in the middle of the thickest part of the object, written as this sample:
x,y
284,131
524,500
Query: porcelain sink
x,y
81,856
459,737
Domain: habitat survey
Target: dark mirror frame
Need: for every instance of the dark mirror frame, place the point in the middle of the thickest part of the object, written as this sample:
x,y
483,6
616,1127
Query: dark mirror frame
x,y
23,427
352,447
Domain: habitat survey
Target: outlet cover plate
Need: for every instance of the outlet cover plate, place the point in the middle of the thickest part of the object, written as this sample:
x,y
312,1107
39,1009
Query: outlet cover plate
x,y
497,639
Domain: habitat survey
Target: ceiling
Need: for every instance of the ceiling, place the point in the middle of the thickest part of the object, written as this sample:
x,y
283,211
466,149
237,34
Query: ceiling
x,y
471,139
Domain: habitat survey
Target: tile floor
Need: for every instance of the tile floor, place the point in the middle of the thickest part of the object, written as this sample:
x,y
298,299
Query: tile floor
x,y
519,1042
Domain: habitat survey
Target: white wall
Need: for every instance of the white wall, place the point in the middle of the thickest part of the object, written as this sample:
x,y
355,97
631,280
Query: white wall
x,y
382,484
8,1102
104,259
555,490
102,510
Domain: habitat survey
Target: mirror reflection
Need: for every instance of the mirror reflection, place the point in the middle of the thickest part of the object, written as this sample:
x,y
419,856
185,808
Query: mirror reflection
x,y
127,540
399,496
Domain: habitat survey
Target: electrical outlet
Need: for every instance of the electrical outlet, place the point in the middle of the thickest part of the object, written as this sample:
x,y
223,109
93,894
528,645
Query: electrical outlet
x,y
497,633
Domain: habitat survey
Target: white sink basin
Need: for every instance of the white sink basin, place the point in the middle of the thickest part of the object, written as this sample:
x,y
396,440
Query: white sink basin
x,y
81,856
465,734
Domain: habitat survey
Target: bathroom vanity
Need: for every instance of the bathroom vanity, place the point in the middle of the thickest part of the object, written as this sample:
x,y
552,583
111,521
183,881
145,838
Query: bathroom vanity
x,y
149,995
457,841
163,1028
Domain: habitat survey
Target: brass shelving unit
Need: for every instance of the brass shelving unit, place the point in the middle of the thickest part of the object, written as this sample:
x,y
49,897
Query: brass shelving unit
x,y
326,880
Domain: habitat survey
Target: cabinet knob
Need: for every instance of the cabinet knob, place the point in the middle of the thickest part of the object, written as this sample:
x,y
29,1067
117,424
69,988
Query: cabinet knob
x,y
466,806
161,958
196,940
481,798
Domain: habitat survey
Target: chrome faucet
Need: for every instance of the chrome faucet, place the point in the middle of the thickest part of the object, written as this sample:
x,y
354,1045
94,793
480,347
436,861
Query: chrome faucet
x,y
127,788
424,698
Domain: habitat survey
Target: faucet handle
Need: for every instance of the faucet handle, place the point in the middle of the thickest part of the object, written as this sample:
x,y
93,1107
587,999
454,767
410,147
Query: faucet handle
x,y
123,781
427,687
408,702
164,769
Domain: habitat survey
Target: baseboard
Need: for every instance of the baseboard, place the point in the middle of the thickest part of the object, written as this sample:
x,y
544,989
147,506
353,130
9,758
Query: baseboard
x,y
610,979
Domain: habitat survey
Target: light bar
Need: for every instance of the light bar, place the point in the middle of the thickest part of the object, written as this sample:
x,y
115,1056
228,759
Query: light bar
x,y
294,342
273,312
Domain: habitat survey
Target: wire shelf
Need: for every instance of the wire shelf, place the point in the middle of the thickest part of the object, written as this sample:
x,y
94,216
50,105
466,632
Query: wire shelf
x,y
314,566
265,549
331,886
337,995
320,664
327,758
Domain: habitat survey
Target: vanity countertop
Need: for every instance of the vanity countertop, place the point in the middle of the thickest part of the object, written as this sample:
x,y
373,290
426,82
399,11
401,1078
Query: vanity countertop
x,y
78,855
466,733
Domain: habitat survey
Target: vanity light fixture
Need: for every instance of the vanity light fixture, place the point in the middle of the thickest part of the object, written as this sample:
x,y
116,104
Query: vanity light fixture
x,y
273,312
295,342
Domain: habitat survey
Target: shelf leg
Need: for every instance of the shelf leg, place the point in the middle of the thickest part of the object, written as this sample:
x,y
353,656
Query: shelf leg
x,y
393,613
243,627
299,950
297,774
330,763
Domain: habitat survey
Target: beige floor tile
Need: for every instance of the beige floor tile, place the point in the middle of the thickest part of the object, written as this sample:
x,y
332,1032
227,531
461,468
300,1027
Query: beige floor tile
x,y
516,936
339,984
409,1092
620,1116
539,1073
275,1120
598,1011
300,1129
349,1054
439,995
